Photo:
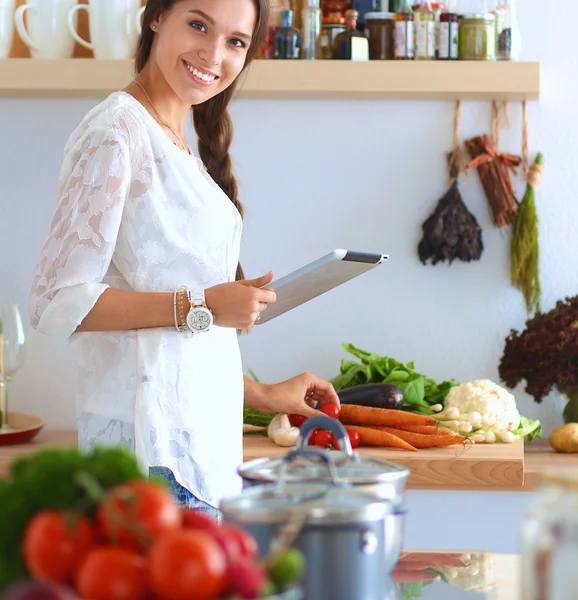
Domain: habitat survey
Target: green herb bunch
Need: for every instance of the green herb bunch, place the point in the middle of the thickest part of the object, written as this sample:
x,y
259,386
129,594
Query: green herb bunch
x,y
420,392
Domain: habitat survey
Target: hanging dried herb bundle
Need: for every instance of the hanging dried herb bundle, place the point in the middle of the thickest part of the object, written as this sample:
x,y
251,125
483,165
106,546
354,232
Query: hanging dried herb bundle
x,y
545,354
524,261
493,168
451,231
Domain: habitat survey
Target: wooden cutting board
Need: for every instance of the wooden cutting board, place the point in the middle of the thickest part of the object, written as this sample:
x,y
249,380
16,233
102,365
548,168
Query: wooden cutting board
x,y
476,466
487,467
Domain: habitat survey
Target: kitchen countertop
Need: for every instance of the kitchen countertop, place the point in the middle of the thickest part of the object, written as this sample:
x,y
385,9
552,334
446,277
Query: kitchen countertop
x,y
486,467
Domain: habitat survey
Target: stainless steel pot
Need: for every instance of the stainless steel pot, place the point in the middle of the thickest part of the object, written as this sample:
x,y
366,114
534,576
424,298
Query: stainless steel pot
x,y
379,478
340,530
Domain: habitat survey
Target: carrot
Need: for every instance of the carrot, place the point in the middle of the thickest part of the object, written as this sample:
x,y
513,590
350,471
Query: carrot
x,y
374,437
351,414
419,440
427,429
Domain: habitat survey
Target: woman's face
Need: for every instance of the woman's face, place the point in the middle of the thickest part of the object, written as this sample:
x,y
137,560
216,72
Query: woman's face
x,y
201,45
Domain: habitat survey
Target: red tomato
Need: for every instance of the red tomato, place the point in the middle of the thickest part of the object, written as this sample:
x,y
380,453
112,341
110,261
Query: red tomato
x,y
297,420
54,543
187,565
331,410
353,438
146,506
311,440
323,438
112,573
335,443
194,519
246,542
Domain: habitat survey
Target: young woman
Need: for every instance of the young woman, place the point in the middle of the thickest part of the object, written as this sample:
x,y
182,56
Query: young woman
x,y
141,264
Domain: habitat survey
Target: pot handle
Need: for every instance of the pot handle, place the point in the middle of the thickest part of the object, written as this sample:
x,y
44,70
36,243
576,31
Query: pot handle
x,y
306,453
325,422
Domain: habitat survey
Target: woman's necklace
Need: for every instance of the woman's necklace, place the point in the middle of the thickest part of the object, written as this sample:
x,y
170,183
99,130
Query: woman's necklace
x,y
184,146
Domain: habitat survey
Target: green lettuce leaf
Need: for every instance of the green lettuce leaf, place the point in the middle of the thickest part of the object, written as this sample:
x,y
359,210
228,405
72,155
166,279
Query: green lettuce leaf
x,y
529,429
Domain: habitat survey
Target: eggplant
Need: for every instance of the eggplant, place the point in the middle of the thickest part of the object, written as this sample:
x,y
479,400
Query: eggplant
x,y
374,395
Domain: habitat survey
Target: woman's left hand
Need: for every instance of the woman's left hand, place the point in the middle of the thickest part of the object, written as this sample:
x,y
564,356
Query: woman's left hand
x,y
298,395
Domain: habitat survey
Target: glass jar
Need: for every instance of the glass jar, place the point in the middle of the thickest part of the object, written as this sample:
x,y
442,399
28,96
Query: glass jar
x,y
508,39
404,42
448,36
424,31
311,30
380,29
477,37
332,26
438,8
267,48
549,539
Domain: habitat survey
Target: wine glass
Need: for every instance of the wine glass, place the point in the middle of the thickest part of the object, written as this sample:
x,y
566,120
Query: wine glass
x,y
12,354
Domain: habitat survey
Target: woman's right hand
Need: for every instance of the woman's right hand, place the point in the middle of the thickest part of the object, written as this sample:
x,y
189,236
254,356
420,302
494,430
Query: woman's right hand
x,y
238,304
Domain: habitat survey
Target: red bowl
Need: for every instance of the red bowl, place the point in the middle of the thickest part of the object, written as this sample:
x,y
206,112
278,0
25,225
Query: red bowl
x,y
24,428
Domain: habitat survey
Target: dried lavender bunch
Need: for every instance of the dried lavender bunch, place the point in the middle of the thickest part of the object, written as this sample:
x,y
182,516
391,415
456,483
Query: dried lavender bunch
x,y
545,354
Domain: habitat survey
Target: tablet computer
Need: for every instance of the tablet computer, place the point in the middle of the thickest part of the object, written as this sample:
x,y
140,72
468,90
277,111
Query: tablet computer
x,y
316,278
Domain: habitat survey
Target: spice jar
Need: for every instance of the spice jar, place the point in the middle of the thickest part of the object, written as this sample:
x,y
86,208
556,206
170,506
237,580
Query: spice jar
x,y
508,42
332,26
477,37
380,29
424,31
448,36
438,8
404,47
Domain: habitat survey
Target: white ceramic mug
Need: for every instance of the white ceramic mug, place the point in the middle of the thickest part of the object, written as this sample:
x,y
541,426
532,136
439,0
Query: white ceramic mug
x,y
6,27
114,27
46,33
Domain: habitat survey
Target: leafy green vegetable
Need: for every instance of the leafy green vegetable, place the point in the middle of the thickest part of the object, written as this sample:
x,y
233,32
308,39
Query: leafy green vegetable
x,y
529,428
410,591
420,392
49,480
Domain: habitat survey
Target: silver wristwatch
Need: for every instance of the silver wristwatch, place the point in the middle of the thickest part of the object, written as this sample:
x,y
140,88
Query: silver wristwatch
x,y
199,317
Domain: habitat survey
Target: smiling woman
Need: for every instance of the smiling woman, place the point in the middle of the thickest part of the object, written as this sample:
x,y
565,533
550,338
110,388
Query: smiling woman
x,y
141,262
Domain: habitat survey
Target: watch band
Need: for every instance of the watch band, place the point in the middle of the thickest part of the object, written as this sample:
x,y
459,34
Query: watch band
x,y
198,298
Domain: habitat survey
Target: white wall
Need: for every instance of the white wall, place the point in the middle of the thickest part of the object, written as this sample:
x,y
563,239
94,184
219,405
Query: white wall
x,y
319,175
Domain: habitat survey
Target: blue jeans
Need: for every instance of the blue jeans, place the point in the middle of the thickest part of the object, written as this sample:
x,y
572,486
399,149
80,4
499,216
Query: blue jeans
x,y
181,494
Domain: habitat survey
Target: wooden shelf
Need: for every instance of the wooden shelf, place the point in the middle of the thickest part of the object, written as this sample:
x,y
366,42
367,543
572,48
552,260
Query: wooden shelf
x,y
419,80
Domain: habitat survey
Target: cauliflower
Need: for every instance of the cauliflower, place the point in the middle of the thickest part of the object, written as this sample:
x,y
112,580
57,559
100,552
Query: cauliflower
x,y
482,405
478,575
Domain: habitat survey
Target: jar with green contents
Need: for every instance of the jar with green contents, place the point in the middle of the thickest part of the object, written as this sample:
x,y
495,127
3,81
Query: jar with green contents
x,y
477,37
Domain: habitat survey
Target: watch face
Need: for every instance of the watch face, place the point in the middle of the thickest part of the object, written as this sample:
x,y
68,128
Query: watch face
x,y
199,319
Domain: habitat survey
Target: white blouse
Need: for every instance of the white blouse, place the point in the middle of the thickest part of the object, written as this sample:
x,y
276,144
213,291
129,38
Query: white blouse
x,y
136,213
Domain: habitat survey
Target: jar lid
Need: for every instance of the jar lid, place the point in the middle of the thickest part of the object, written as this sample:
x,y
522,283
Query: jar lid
x,y
478,16
434,5
316,504
356,470
379,16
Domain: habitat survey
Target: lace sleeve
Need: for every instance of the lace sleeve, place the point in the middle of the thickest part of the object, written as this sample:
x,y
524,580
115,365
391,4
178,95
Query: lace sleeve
x,y
93,184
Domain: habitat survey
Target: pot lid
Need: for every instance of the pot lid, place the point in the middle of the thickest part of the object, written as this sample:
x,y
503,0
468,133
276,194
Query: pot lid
x,y
353,469
305,466
312,504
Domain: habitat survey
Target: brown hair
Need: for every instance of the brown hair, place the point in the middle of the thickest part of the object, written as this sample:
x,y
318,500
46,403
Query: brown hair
x,y
211,118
